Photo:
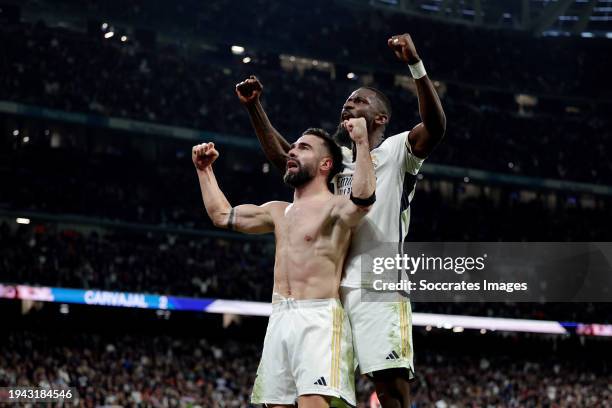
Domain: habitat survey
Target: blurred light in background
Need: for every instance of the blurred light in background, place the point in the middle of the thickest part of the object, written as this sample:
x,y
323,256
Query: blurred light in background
x,y
109,34
350,75
237,50
24,221
246,60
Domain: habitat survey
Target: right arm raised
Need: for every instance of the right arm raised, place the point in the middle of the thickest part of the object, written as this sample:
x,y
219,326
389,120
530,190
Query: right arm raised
x,y
273,143
247,218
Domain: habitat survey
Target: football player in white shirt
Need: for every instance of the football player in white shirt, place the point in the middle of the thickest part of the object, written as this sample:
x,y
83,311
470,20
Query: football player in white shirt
x,y
382,331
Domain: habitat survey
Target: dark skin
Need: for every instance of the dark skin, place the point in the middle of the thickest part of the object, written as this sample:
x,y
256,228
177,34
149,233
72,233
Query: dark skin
x,y
423,138
392,385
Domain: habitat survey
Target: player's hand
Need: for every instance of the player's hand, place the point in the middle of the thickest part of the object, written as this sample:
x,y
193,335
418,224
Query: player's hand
x,y
249,90
357,129
404,48
203,155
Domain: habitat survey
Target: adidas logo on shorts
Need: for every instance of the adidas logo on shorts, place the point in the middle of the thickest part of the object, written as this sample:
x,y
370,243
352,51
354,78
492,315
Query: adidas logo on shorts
x,y
392,356
321,381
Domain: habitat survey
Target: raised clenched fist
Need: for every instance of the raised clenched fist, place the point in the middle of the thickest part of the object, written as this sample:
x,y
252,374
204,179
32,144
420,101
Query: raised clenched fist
x,y
203,155
404,48
357,129
249,90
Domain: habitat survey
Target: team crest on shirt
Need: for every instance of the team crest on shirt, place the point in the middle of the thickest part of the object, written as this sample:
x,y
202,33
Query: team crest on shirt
x,y
374,160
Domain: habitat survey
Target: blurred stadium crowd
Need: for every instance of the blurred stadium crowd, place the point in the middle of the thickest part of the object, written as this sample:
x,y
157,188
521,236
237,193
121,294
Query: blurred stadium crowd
x,y
194,266
128,212
129,187
112,177
74,71
141,370
349,32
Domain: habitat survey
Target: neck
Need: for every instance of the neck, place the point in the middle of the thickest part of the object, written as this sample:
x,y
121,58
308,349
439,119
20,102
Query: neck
x,y
376,138
313,188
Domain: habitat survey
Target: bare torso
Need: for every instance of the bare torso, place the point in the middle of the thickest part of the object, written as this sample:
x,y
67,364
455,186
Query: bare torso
x,y
311,245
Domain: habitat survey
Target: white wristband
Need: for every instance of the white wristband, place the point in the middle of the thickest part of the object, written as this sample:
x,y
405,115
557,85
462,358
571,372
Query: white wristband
x,y
417,70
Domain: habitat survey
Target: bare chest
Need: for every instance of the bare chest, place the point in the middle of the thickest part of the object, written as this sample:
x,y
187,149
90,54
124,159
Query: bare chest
x,y
304,224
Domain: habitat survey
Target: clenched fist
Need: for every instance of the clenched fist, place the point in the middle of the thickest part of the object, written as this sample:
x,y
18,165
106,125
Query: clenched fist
x,y
249,90
203,155
357,129
404,48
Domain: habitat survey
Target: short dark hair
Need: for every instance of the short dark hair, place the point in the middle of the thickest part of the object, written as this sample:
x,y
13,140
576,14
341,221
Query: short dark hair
x,y
383,100
332,146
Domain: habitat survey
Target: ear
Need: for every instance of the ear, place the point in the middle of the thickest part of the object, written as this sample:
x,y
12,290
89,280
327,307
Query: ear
x,y
326,164
381,119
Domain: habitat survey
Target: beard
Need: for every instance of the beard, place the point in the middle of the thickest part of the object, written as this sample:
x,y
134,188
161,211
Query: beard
x,y
298,179
342,137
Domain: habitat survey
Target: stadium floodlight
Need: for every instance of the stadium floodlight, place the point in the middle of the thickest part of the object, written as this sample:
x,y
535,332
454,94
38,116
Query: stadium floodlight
x,y
109,34
350,75
246,60
24,221
237,49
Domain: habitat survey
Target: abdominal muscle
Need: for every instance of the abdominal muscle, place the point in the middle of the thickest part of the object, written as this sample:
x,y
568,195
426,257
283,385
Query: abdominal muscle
x,y
310,270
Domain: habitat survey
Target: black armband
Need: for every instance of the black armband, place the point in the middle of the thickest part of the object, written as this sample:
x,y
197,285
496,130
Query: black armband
x,y
364,202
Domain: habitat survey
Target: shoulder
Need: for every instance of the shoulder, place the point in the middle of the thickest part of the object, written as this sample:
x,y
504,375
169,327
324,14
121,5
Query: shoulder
x,y
397,139
275,205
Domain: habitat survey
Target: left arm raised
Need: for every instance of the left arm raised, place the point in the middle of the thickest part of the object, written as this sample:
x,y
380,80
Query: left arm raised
x,y
352,210
425,136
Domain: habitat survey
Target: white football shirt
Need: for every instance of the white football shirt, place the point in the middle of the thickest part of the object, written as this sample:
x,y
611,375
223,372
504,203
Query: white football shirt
x,y
388,219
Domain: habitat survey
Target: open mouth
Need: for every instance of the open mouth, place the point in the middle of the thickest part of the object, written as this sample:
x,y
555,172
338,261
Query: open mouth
x,y
292,164
346,115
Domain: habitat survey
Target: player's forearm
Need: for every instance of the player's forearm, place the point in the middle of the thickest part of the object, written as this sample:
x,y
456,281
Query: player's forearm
x,y
215,202
364,179
430,109
275,147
